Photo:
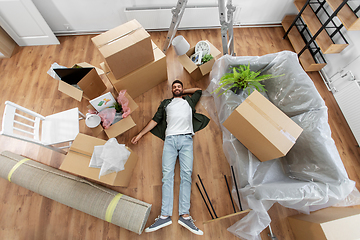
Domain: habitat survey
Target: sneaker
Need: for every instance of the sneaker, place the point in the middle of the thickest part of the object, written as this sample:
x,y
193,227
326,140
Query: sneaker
x,y
159,223
189,225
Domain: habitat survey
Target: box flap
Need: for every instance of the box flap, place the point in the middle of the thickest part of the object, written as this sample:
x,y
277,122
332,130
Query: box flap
x,y
97,130
125,43
206,67
70,90
116,33
213,50
185,60
104,101
92,85
123,178
87,65
105,67
120,127
84,144
132,105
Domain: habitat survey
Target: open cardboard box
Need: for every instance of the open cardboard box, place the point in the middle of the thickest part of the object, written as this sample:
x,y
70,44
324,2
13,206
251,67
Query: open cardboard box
x,y
328,223
142,79
262,128
78,159
125,48
91,84
197,72
120,127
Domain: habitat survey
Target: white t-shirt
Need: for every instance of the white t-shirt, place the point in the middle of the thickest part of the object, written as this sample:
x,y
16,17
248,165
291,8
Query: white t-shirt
x,y
178,117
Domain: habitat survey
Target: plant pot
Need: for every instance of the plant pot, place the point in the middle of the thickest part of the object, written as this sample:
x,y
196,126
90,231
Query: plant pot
x,y
237,90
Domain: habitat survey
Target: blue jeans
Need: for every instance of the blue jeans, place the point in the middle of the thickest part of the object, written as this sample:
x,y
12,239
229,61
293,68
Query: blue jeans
x,y
174,146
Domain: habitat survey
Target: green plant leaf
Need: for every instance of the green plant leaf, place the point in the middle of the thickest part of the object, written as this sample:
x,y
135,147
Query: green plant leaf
x,y
242,77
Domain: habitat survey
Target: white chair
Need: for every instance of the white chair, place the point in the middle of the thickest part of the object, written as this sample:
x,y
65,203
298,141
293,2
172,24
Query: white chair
x,y
21,123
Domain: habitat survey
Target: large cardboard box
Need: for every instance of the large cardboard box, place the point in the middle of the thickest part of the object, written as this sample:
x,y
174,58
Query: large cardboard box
x,y
142,79
125,48
120,127
78,158
262,128
334,223
197,72
91,84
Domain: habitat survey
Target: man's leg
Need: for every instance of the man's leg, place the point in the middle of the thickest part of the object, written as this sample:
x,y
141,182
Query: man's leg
x,y
169,156
186,157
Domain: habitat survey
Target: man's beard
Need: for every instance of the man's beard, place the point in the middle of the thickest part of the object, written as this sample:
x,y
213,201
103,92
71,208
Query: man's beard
x,y
177,93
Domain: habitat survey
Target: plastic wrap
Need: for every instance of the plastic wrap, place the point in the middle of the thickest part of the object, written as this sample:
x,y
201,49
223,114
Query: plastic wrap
x,y
311,176
124,103
110,157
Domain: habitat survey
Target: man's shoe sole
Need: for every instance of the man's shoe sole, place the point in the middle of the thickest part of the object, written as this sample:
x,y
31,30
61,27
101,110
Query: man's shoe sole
x,y
158,227
190,229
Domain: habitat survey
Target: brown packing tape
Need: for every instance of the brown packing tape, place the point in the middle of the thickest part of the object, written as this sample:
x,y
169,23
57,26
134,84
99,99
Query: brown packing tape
x,y
271,121
119,37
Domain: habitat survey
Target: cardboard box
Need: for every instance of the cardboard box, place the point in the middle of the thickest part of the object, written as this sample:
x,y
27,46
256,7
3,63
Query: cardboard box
x,y
125,48
91,84
144,78
329,223
262,128
197,72
120,127
78,158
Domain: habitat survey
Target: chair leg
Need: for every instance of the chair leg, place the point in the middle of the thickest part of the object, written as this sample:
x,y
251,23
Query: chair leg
x,y
82,116
56,149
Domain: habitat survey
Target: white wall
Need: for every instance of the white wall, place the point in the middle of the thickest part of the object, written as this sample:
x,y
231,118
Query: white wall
x,y
100,15
64,16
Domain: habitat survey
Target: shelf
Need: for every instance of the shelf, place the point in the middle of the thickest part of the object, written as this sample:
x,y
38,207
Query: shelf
x,y
306,59
349,19
7,45
323,39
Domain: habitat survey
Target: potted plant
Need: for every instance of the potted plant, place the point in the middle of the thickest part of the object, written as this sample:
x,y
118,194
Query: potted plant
x,y
242,77
206,58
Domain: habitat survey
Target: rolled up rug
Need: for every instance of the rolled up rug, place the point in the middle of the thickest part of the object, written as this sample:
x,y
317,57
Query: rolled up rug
x,y
75,192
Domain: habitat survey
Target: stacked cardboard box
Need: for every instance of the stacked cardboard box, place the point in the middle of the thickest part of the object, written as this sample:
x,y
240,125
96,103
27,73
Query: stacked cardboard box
x,y
132,61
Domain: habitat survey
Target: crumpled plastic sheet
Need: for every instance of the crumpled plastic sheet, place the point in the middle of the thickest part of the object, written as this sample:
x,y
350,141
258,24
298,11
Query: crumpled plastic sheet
x,y
122,99
311,176
110,157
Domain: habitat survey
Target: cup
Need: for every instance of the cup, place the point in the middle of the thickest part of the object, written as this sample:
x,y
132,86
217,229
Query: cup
x,y
92,120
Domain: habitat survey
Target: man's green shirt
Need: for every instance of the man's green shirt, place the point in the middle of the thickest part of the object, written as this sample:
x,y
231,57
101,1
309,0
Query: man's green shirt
x,y
199,120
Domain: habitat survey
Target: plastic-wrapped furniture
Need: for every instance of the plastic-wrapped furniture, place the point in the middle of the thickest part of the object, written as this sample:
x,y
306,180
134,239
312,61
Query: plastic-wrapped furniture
x,y
24,124
311,176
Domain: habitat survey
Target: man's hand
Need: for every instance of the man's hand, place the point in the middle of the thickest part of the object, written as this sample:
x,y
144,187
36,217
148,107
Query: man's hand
x,y
135,139
146,129
190,90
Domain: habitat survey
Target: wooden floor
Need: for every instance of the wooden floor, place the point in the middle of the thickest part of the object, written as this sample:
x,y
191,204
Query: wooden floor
x,y
24,80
